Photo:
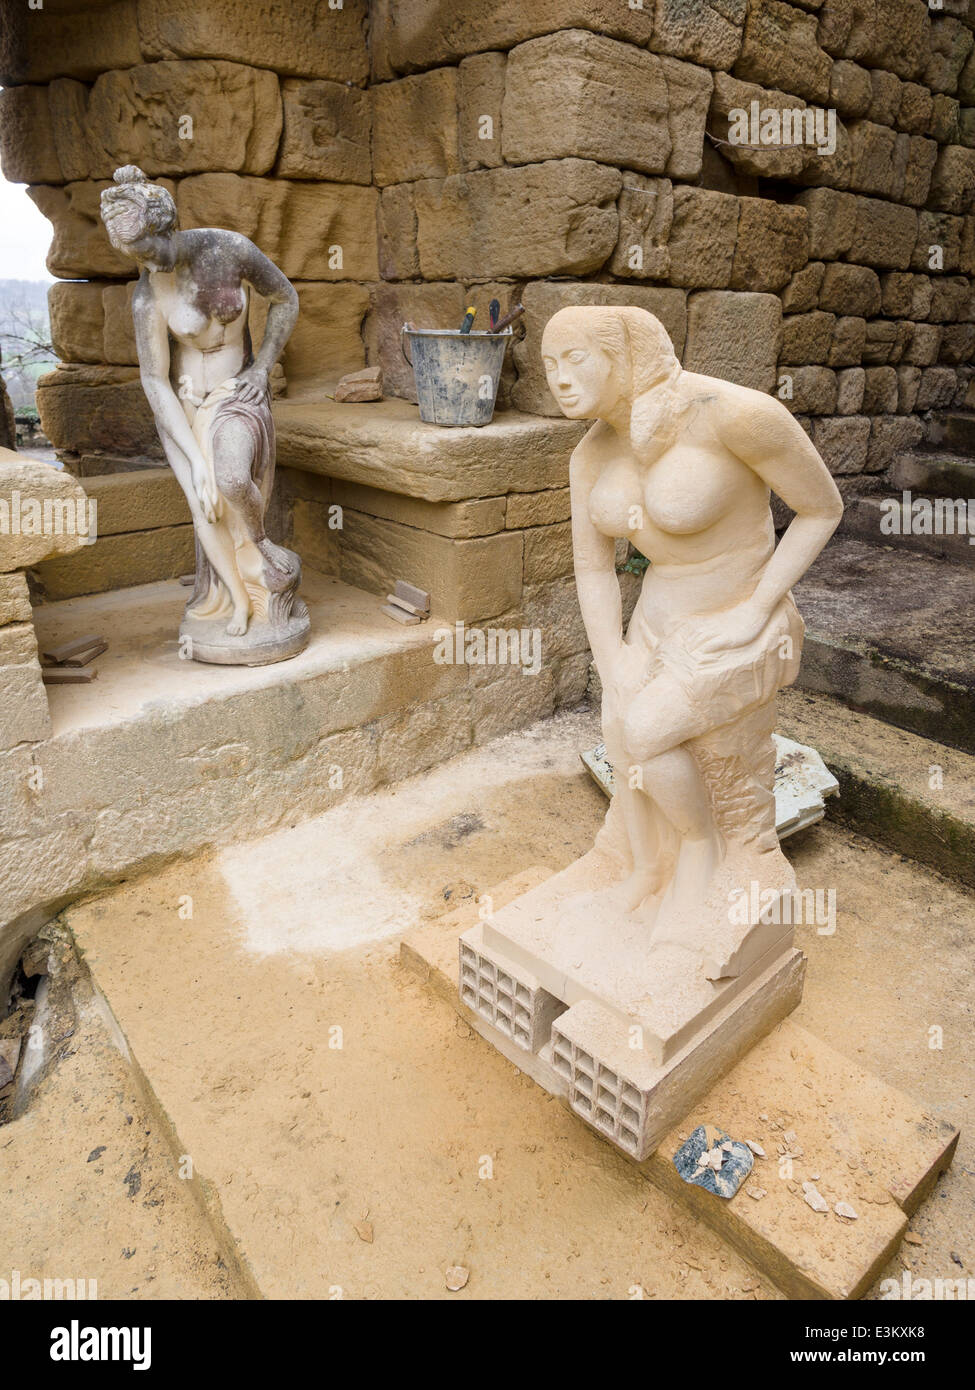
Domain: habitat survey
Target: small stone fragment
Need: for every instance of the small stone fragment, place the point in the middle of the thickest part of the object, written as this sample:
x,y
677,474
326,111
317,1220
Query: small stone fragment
x,y
756,1148
790,1137
358,387
844,1209
813,1198
363,1230
456,1276
913,1238
757,1192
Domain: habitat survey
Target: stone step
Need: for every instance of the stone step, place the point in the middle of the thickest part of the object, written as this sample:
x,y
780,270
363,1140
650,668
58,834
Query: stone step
x,y
143,533
913,795
336,1112
942,527
888,631
159,756
937,473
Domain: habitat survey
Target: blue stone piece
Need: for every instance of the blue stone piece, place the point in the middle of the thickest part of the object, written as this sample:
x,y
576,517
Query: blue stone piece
x,y
734,1170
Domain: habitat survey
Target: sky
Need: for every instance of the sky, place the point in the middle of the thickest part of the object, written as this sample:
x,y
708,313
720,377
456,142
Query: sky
x,y
25,235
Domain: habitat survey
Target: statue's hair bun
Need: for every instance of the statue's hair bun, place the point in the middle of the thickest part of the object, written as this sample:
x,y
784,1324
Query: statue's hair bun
x,y
130,173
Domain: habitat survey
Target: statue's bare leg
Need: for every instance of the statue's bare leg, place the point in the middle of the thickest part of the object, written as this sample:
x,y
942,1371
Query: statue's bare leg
x,y
233,466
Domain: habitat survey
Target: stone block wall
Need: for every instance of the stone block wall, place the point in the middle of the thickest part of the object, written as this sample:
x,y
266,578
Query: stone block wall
x,y
401,158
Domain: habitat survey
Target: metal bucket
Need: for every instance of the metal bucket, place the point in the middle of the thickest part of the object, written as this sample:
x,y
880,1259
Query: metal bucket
x,y
457,374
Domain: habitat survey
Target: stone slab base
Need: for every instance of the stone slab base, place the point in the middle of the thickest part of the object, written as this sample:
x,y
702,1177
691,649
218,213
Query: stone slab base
x,y
860,1140
261,645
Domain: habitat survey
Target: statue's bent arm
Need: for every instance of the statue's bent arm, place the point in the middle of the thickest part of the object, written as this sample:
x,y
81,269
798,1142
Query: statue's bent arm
x,y
594,559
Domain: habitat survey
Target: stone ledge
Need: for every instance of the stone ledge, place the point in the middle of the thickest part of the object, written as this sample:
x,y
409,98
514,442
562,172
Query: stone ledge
x,y
386,445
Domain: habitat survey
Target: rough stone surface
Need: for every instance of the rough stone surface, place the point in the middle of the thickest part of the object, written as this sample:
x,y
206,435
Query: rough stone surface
x,y
780,49
735,336
703,238
28,490
476,226
326,132
772,242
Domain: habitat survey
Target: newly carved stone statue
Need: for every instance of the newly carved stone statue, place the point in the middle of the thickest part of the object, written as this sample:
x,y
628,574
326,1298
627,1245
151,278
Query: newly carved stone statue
x,y
210,397
681,465
642,971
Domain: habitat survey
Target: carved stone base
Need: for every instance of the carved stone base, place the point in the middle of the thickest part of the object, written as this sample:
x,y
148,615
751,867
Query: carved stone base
x,y
631,1033
261,645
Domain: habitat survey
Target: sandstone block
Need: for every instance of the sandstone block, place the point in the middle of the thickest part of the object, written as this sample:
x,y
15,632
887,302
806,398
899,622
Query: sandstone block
x,y
850,289
879,159
925,344
468,579
118,331
709,33
825,170
313,231
780,49
884,234
178,118
77,320
732,96
958,343
68,105
542,299
950,47
477,226
950,299
847,27
548,552
813,390
327,341
482,78
24,716
806,338
83,408
27,149
398,255
914,112
938,245
879,391
38,43
703,238
850,383
40,507
14,599
937,388
735,336
772,242
850,89
801,294
138,501
890,435
405,37
906,296
832,221
303,38
885,97
945,122
885,342
921,157
119,562
326,132
953,180
414,127
543,508
849,336
646,213
908,383
579,94
843,442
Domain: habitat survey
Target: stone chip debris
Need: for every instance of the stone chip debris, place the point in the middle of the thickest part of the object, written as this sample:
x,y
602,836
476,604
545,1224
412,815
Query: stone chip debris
x,y
814,1198
844,1209
456,1277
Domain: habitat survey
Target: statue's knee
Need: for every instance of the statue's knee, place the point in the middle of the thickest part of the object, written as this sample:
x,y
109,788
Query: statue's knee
x,y
639,740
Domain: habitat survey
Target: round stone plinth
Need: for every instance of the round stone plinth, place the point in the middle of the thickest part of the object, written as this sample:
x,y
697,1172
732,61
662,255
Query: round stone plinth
x,y
260,645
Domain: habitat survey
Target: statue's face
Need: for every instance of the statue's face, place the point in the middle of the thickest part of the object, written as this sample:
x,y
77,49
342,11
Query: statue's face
x,y
581,376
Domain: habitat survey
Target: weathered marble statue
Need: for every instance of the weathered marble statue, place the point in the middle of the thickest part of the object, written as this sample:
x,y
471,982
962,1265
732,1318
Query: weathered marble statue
x,y
681,465
643,970
211,401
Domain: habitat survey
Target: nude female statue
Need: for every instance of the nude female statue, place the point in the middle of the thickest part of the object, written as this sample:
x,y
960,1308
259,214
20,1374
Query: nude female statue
x,y
210,398
681,465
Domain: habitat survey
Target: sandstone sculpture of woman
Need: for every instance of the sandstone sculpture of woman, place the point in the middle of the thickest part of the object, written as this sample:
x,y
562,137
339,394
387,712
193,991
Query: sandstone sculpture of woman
x,y
682,465
210,398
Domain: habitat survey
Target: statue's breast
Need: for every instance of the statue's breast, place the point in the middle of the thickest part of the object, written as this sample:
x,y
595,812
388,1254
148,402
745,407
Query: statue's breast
x,y
690,488
615,503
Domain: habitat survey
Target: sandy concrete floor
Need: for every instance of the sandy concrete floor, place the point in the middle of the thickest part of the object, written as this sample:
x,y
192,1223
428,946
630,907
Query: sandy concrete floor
x,y
365,1167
